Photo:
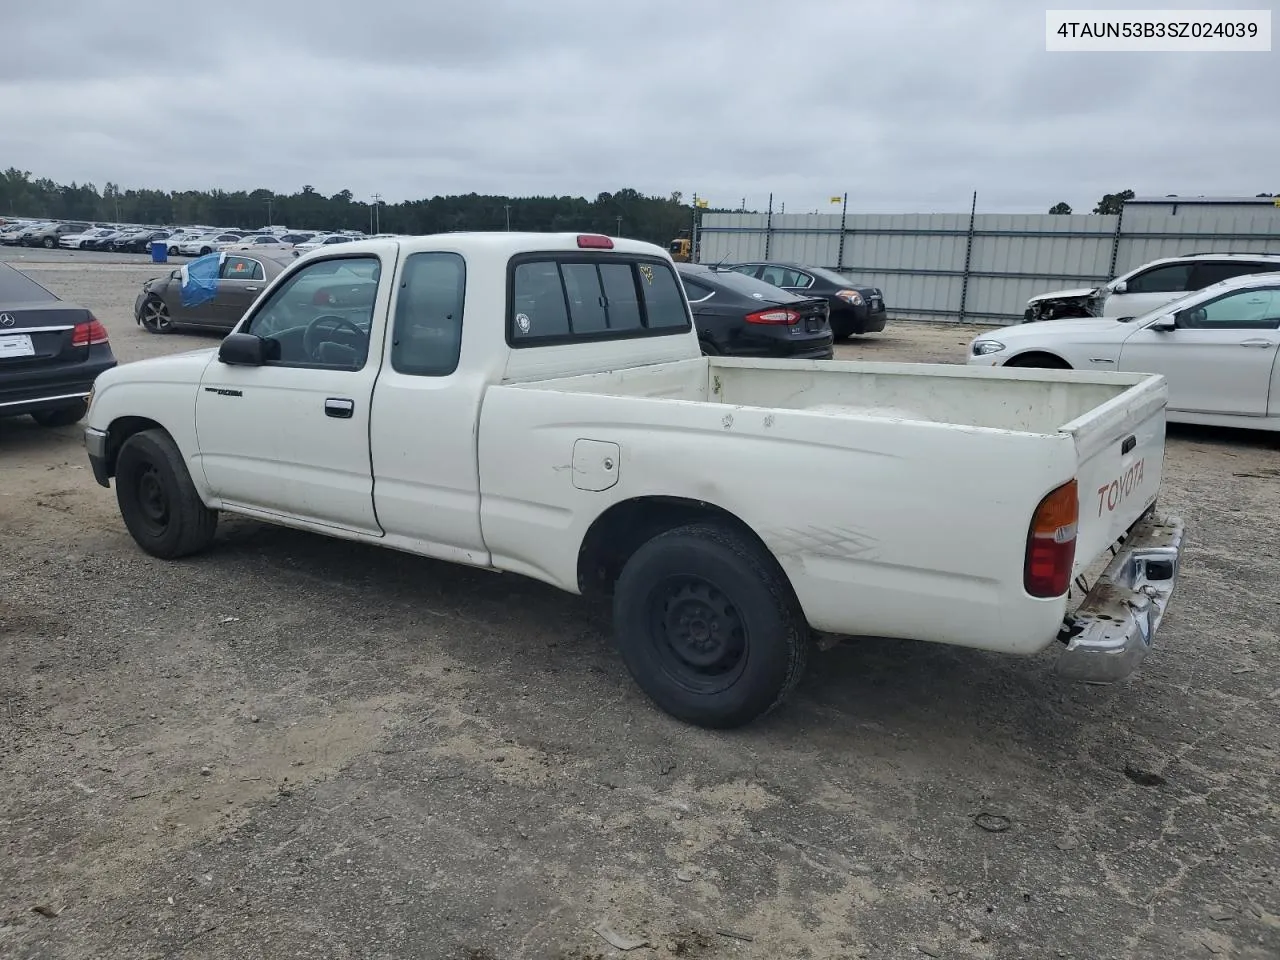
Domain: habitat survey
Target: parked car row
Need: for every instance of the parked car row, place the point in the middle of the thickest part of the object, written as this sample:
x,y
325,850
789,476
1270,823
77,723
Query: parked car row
x,y
192,241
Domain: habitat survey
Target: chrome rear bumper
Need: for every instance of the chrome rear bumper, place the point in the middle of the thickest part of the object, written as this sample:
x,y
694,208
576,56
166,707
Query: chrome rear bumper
x,y
1111,632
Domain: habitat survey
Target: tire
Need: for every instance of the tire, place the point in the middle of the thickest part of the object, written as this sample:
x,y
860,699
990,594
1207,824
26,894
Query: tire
x,y
155,316
708,349
48,243
205,251
173,251
1043,361
159,503
62,416
686,588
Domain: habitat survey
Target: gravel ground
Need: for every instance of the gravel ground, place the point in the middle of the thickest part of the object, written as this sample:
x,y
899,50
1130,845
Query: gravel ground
x,y
297,747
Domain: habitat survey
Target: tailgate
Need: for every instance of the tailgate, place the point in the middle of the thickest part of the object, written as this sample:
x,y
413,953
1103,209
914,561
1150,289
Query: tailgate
x,y
1120,452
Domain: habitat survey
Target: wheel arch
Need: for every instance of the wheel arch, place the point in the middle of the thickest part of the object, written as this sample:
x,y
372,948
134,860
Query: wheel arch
x,y
1039,357
121,429
625,526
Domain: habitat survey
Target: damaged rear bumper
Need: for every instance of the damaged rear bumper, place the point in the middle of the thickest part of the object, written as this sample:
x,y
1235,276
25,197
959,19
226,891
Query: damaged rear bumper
x,y
1112,630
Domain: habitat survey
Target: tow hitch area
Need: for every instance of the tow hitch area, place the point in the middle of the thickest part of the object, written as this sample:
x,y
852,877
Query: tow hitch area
x,y
1111,632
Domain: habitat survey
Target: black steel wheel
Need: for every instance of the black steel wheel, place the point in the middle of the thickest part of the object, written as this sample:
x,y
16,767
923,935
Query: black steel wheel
x,y
160,505
708,626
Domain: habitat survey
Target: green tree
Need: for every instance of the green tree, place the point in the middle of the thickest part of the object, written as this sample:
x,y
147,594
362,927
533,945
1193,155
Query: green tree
x,y
1060,208
1113,203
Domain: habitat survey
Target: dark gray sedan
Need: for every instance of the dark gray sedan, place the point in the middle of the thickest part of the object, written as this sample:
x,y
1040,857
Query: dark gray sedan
x,y
240,278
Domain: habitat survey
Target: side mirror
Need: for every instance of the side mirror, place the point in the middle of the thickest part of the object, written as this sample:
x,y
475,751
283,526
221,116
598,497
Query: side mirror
x,y
242,349
1165,323
1120,287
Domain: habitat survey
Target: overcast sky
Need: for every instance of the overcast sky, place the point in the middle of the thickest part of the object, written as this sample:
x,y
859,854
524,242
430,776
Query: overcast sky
x,y
908,105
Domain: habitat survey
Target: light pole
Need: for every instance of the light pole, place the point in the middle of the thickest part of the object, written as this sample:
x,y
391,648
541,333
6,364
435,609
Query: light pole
x,y
619,233
507,207
375,215
268,211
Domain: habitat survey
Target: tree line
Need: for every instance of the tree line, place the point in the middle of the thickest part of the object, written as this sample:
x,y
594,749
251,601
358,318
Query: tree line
x,y
626,212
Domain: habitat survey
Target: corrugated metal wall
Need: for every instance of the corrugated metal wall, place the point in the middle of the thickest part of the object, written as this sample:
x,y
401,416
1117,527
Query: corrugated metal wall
x,y
983,268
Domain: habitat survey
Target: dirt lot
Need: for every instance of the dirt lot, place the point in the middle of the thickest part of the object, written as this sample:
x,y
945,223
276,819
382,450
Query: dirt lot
x,y
296,747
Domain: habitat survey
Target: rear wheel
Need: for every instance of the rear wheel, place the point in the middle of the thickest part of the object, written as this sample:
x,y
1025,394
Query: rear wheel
x,y
708,626
155,316
205,251
48,243
160,505
62,416
708,349
173,251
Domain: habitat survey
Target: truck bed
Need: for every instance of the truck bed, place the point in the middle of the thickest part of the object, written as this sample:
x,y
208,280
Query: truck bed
x,y
1026,401
897,497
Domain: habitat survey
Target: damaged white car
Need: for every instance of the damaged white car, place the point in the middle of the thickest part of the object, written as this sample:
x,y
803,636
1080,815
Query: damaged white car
x,y
1149,286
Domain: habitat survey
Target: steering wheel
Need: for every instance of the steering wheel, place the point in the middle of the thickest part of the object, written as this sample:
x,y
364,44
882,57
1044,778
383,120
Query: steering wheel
x,y
311,336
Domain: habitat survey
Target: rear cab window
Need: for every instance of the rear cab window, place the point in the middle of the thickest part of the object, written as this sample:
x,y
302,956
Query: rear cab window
x,y
570,297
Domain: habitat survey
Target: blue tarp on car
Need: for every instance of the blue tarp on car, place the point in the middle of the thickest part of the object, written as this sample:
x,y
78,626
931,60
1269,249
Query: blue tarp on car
x,y
200,280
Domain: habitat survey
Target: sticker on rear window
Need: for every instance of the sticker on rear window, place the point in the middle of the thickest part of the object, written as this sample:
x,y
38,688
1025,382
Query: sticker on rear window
x,y
646,271
522,321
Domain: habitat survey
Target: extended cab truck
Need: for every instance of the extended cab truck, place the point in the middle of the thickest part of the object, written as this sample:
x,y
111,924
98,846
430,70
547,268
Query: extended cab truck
x,y
538,404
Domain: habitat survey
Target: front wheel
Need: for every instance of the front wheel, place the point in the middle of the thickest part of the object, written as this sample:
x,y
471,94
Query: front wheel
x,y
160,505
173,251
155,316
48,243
205,251
708,626
62,416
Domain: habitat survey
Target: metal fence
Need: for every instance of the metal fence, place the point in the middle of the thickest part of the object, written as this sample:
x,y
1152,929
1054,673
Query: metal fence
x,y
982,267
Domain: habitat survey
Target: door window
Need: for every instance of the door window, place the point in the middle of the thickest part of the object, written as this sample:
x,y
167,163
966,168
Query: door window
x,y
1170,278
1242,310
321,316
240,268
427,333
781,277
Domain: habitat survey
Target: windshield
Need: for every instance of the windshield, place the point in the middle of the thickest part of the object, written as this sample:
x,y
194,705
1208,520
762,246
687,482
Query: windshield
x,y
1172,307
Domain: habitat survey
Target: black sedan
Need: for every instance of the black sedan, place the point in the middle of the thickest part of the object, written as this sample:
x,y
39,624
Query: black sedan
x,y
855,308
137,241
51,351
741,317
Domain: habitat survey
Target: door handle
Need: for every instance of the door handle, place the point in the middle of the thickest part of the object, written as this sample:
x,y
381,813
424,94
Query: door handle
x,y
252,289
339,407
1257,343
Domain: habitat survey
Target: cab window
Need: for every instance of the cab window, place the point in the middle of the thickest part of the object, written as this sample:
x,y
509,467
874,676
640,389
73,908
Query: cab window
x,y
568,297
427,330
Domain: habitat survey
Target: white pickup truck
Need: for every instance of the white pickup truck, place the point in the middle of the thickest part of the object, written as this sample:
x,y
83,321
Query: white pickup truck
x,y
538,404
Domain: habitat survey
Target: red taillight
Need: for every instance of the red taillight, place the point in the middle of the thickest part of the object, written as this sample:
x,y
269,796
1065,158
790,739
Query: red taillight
x,y
1051,543
594,241
88,333
778,315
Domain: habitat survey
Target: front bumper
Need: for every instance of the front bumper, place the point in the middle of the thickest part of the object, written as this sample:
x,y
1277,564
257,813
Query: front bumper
x,y
1112,630
95,443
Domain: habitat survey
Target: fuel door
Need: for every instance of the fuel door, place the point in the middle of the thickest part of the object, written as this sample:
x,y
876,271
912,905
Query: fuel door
x,y
595,464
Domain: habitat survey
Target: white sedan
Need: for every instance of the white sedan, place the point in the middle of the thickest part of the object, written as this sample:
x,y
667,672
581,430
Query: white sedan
x,y
1217,348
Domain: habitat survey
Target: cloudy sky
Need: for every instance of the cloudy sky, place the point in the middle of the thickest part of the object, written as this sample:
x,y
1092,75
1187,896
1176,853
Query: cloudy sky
x,y
909,106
